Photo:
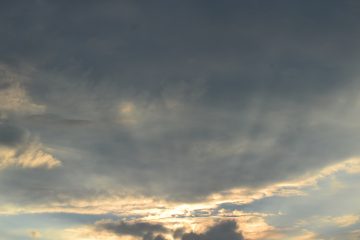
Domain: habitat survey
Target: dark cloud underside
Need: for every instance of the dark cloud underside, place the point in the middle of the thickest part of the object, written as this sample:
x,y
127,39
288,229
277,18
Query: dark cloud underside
x,y
223,230
180,99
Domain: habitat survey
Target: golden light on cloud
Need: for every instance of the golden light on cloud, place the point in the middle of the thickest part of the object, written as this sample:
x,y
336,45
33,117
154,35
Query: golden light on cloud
x,y
35,234
195,216
306,235
35,157
88,233
288,188
30,155
127,107
128,114
224,120
346,220
14,97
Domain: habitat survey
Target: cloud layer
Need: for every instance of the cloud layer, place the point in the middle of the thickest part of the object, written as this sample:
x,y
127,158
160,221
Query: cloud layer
x,y
184,110
148,231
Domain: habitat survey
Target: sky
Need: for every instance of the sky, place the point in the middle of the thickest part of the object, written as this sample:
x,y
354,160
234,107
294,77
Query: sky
x,y
179,120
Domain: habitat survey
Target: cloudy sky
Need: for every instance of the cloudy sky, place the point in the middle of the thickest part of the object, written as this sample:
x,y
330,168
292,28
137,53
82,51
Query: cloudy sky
x,y
179,120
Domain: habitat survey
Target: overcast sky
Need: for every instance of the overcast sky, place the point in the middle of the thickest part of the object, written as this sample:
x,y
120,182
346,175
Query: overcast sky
x,y
179,120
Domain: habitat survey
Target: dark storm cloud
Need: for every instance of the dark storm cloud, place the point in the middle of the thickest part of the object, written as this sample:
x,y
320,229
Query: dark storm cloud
x,y
142,229
223,230
225,95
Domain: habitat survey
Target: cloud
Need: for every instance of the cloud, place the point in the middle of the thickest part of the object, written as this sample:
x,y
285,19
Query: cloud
x,y
167,111
35,234
219,110
150,231
140,229
235,203
346,220
33,156
305,235
224,230
18,149
11,135
341,221
13,95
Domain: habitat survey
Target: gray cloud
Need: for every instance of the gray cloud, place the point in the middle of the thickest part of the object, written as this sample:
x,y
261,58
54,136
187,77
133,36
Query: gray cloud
x,y
149,231
141,229
224,230
224,95
11,135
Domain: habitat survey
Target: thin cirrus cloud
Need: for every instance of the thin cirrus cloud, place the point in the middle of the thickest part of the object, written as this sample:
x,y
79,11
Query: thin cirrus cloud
x,y
191,114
